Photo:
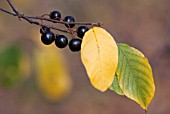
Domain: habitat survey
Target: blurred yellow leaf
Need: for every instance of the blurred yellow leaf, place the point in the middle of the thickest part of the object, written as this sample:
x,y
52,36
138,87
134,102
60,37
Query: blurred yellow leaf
x,y
52,75
99,54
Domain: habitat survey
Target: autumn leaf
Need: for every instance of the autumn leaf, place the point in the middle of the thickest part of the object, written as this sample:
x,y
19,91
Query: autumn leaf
x,y
53,79
135,75
99,55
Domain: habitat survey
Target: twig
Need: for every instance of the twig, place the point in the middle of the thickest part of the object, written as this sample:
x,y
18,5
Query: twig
x,y
13,7
27,18
6,11
31,19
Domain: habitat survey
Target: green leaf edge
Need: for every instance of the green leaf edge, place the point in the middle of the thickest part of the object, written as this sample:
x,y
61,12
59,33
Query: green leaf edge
x,y
116,87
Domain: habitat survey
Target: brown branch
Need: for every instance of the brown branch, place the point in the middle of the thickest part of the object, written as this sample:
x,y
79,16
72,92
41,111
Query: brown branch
x,y
28,19
13,7
8,12
31,19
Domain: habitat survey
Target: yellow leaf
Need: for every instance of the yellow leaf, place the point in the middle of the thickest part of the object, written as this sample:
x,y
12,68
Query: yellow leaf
x,y
99,54
52,75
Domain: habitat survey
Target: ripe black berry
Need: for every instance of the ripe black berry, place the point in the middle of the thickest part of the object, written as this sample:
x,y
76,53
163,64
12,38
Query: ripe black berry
x,y
75,44
69,19
55,15
44,29
48,38
61,41
81,31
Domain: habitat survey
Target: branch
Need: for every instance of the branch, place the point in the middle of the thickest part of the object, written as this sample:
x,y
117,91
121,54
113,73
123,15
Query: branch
x,y
13,7
31,19
8,12
28,18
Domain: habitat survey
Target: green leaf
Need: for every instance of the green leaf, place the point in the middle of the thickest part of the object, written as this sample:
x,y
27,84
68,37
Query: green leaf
x,y
53,79
10,72
116,87
135,75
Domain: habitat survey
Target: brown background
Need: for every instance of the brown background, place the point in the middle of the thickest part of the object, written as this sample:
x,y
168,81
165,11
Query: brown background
x,y
144,24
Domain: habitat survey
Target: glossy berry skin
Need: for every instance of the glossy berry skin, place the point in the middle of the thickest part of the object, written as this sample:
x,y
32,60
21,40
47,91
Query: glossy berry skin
x,y
55,15
61,41
48,38
69,19
44,29
75,44
81,31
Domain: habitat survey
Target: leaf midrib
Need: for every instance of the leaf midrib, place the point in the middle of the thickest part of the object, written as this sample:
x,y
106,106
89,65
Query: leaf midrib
x,y
101,61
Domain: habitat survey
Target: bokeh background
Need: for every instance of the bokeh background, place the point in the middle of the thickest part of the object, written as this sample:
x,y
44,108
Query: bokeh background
x,y
43,79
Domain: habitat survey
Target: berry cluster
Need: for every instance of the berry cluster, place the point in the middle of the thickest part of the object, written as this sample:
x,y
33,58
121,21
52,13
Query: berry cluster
x,y
61,41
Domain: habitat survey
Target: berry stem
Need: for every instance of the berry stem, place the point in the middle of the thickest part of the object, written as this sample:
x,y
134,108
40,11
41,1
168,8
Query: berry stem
x,y
32,19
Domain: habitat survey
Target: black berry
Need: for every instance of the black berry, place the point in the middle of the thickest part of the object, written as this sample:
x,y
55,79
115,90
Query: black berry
x,y
69,19
44,29
81,31
75,44
55,15
61,41
48,38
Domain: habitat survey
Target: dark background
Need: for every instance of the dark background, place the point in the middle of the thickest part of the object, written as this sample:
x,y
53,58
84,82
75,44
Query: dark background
x,y
143,24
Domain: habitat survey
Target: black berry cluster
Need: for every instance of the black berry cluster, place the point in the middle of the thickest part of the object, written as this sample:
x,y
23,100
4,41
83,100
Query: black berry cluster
x,y
61,41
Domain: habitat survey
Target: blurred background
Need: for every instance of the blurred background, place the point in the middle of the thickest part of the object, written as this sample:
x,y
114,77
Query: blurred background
x,y
44,79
